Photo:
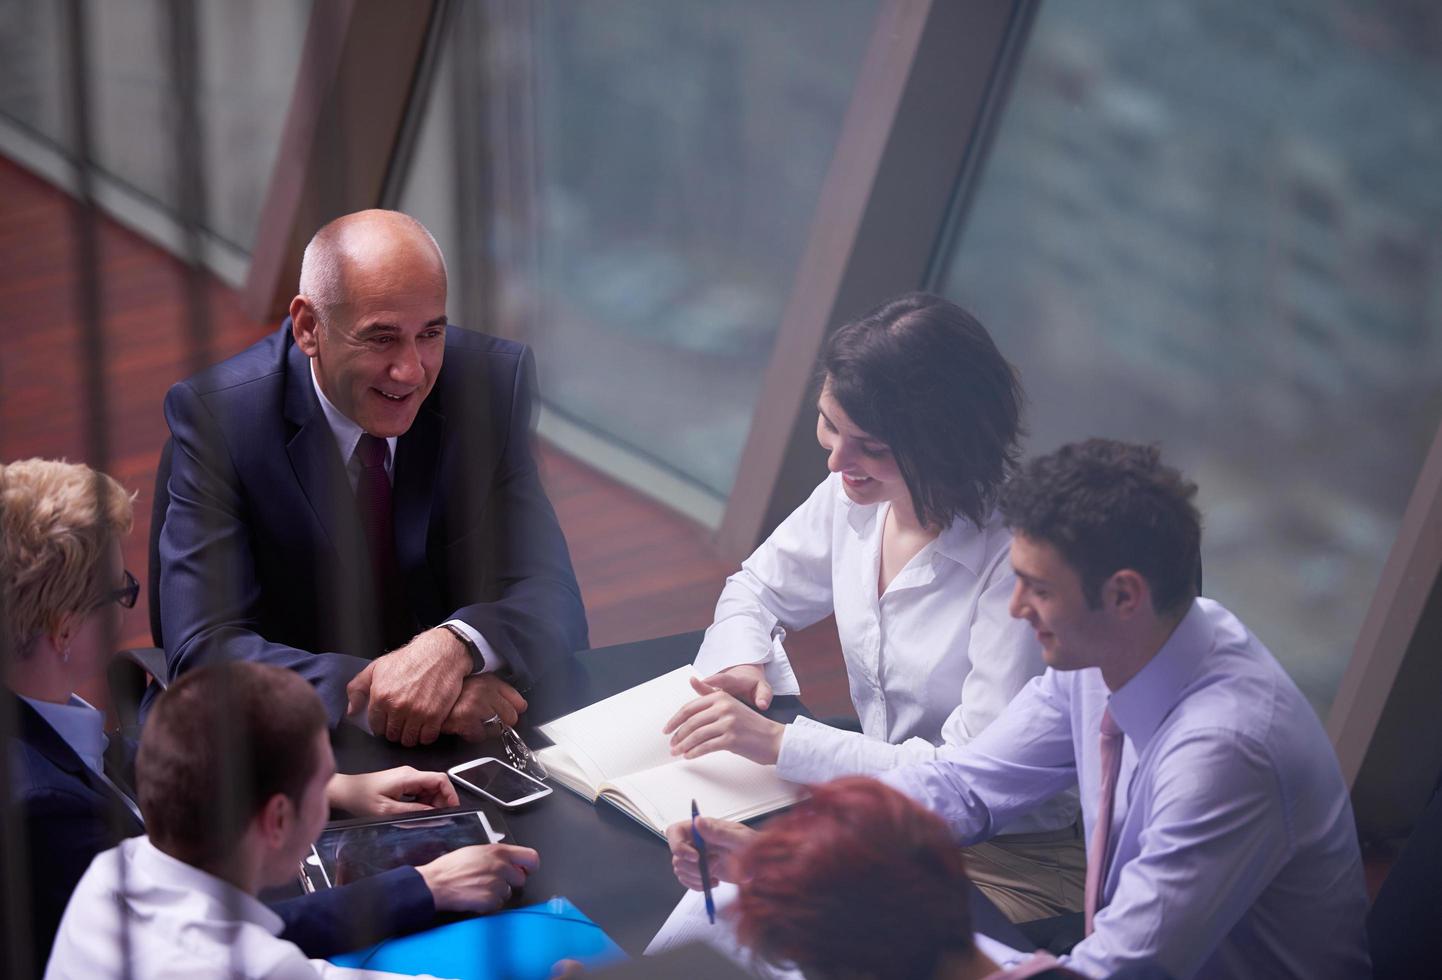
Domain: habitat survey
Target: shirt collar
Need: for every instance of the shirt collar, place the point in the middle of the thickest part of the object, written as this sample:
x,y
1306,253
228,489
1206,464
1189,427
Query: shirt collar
x,y
1141,704
346,432
961,541
80,724
964,543
160,868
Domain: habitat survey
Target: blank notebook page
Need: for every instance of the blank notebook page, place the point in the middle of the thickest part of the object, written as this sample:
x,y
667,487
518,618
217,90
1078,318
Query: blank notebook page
x,y
722,784
622,734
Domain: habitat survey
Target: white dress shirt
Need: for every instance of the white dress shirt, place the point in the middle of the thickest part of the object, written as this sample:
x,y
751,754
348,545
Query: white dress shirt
x,y
347,437
1234,849
182,923
931,662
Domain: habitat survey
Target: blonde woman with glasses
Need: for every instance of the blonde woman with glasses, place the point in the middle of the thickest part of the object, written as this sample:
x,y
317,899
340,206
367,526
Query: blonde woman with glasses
x,y
63,590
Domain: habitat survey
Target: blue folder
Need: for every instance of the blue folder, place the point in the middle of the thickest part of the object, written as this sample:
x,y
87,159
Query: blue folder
x,y
518,944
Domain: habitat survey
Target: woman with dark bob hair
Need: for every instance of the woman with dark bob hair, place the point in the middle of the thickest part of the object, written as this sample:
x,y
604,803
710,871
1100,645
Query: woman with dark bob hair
x,y
857,882
920,416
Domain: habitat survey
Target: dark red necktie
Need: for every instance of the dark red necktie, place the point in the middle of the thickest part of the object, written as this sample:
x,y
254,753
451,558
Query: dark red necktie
x,y
373,499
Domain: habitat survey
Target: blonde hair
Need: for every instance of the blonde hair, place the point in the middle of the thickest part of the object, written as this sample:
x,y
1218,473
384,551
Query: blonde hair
x,y
57,520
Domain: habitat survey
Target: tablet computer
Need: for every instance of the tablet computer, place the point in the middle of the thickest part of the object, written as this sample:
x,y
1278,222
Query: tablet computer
x,y
349,850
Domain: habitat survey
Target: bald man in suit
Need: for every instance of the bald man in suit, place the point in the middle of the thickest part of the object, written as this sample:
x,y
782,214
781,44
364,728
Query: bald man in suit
x,y
354,498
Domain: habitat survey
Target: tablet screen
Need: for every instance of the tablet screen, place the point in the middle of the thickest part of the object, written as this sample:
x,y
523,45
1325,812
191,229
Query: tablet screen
x,y
345,854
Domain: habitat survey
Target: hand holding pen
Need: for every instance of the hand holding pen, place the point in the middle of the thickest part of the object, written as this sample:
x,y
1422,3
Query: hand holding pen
x,y
703,869
724,839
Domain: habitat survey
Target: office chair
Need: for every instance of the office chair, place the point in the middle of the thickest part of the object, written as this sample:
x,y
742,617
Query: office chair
x,y
130,671
1402,925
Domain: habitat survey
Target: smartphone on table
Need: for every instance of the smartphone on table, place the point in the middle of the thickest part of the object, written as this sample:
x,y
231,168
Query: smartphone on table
x,y
499,782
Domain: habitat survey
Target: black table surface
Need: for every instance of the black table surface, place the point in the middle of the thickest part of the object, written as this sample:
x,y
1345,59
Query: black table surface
x,y
613,869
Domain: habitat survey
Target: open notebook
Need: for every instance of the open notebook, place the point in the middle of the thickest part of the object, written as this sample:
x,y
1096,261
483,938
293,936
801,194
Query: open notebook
x,y
614,751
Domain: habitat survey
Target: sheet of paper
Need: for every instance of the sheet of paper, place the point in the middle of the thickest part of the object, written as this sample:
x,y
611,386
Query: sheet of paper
x,y
723,785
622,734
687,924
1000,953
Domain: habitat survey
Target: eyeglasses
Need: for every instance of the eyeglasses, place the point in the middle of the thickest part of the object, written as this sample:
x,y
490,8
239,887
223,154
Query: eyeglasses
x,y
519,754
125,595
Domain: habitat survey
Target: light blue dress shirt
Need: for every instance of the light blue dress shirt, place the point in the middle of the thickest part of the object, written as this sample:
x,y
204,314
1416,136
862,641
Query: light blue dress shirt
x,y
80,724
1235,850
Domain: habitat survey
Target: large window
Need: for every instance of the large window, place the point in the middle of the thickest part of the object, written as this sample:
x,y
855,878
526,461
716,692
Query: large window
x,y
248,56
1218,226
31,47
671,156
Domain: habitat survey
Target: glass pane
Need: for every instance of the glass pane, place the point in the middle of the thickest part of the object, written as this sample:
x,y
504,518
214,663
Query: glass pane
x,y
429,191
249,57
1219,226
32,67
661,162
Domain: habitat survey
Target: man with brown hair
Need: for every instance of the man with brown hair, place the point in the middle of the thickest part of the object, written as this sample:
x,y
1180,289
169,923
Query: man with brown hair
x,y
63,588
1222,838
232,772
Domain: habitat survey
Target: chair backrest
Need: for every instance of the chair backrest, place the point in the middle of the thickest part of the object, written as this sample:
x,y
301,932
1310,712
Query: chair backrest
x,y
1402,926
158,506
128,674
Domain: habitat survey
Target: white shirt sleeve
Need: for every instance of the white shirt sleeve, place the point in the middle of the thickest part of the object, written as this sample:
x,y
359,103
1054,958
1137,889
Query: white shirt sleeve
x,y
813,753
1004,657
300,968
785,583
1004,654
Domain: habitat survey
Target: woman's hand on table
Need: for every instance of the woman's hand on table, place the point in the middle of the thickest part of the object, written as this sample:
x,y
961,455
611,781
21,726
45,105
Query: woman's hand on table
x,y
725,839
745,682
716,721
401,790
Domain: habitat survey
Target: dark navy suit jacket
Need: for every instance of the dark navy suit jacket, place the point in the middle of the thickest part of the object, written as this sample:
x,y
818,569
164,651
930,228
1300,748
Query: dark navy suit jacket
x,y
262,554
70,815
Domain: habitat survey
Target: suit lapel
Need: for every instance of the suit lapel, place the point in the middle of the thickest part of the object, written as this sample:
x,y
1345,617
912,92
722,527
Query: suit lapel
x,y
316,461
36,732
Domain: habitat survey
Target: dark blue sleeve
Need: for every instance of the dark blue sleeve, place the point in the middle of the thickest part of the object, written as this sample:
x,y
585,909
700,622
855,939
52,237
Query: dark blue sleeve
x,y
1402,925
210,593
353,916
64,832
538,617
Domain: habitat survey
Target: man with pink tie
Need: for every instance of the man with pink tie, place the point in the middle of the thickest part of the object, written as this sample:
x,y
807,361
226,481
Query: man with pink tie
x,y
1221,837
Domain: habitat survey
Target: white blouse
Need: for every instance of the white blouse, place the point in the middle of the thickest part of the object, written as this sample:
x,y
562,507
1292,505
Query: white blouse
x,y
930,663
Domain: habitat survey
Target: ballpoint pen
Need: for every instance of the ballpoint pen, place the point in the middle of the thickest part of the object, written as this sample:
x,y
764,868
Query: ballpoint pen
x,y
705,871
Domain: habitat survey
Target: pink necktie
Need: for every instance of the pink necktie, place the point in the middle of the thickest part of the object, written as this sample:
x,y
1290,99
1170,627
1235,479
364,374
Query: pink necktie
x,y
1111,759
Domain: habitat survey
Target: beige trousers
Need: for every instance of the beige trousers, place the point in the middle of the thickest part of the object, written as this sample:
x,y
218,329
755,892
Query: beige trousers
x,y
1031,876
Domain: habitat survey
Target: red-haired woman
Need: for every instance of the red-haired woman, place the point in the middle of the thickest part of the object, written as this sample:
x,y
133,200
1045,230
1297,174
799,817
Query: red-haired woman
x,y
856,882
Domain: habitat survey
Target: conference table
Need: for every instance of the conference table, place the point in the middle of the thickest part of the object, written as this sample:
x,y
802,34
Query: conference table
x,y
612,868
